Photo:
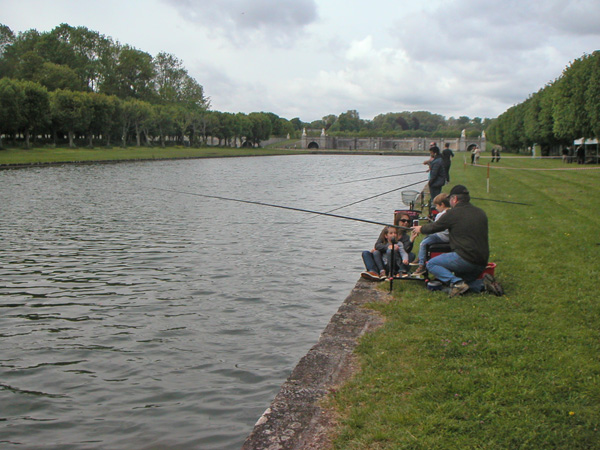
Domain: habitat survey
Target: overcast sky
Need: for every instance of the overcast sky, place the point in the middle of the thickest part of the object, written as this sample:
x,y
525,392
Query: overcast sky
x,y
311,58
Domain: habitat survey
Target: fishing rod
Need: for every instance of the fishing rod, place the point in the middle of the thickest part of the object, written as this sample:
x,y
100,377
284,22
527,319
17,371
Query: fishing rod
x,y
395,168
281,207
501,201
365,199
377,195
378,178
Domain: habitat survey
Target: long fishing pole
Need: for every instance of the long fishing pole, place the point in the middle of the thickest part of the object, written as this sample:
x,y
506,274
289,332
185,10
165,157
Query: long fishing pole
x,y
281,207
378,178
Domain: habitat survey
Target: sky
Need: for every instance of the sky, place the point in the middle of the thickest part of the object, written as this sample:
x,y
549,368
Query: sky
x,y
312,58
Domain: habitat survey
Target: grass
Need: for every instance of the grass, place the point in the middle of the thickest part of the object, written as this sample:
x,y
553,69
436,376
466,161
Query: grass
x,y
482,372
47,155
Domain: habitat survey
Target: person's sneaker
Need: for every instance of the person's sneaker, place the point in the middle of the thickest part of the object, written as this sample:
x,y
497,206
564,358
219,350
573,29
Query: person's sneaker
x,y
491,286
371,276
382,275
458,288
404,275
421,270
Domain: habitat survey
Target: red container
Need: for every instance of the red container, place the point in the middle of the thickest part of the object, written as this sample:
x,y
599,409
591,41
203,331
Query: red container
x,y
490,268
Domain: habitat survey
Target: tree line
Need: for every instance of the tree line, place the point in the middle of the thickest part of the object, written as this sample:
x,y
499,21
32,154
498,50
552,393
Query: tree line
x,y
400,124
77,85
562,111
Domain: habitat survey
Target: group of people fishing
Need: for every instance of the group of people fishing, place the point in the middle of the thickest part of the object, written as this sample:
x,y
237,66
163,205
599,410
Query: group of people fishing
x,y
457,222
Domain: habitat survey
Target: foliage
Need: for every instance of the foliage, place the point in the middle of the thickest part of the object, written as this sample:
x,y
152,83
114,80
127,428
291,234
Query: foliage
x,y
561,112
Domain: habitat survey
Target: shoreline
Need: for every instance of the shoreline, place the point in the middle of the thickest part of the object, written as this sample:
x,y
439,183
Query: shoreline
x,y
6,166
296,419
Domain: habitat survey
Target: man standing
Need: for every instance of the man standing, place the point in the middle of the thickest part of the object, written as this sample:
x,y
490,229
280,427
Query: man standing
x,y
437,172
447,154
468,226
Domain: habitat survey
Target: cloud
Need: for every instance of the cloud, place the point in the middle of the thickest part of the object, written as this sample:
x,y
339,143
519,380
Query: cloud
x,y
244,21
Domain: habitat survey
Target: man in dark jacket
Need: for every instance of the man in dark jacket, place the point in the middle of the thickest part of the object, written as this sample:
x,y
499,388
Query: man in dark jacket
x,y
447,156
437,172
468,226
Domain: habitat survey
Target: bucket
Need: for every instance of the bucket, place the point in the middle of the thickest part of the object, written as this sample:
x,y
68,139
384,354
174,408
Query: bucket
x,y
490,268
435,285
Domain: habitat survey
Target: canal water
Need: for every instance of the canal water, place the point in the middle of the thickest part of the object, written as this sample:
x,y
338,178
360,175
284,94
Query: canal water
x,y
132,317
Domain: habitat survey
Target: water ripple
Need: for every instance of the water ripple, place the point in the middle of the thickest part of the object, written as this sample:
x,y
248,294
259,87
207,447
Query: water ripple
x,y
137,318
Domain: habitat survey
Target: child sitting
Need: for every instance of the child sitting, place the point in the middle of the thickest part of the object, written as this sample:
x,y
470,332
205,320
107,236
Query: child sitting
x,y
442,204
375,261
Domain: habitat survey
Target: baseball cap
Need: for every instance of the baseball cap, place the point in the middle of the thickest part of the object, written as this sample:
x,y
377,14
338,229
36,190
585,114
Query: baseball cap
x,y
459,189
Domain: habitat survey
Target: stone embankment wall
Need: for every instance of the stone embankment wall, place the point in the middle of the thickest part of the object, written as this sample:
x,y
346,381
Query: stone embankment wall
x,y
296,420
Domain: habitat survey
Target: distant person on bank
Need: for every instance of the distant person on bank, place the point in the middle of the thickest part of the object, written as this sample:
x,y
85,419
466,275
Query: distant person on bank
x,y
447,156
468,227
437,172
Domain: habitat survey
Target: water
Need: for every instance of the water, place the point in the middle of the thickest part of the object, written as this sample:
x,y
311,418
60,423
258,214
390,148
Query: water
x,y
135,318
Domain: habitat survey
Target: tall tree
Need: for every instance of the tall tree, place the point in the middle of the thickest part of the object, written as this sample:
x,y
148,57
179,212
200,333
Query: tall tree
x,y
170,77
71,112
35,110
11,99
131,75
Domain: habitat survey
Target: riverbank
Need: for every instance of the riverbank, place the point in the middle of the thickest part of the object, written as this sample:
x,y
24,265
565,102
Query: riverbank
x,y
297,418
46,156
14,157
518,371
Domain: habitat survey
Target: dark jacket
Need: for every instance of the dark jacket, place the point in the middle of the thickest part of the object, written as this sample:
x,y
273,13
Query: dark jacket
x,y
447,154
437,172
468,226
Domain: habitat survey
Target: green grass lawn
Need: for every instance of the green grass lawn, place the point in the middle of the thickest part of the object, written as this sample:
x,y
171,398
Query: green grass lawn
x,y
44,155
520,371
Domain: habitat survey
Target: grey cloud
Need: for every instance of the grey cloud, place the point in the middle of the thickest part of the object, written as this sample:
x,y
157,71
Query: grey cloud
x,y
467,29
234,19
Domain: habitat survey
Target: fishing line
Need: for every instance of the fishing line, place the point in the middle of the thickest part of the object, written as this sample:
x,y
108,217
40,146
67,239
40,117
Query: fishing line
x,y
379,170
290,208
501,201
383,176
369,198
377,195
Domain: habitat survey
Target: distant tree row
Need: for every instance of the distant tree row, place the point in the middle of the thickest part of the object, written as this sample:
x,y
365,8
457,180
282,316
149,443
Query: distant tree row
x,y
402,124
556,115
79,59
76,82
29,109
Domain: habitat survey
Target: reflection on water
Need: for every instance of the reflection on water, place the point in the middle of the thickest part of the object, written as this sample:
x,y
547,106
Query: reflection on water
x,y
134,318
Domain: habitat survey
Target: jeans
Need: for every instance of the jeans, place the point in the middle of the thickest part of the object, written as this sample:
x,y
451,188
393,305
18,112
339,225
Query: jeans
x,y
431,239
373,261
451,268
434,192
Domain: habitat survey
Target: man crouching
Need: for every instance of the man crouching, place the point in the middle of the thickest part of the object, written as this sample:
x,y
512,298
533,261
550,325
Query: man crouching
x,y
468,227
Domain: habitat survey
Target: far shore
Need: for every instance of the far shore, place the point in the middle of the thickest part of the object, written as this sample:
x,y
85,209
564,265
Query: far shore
x,y
11,158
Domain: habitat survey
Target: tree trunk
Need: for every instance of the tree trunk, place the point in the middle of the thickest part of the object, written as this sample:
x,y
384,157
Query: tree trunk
x,y
71,143
26,138
137,135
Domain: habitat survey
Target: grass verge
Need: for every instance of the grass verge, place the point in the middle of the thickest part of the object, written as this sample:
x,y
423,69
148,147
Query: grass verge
x,y
47,155
482,372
